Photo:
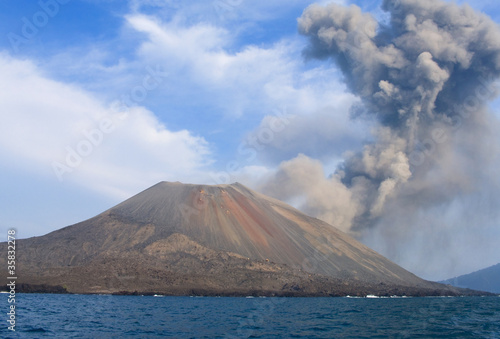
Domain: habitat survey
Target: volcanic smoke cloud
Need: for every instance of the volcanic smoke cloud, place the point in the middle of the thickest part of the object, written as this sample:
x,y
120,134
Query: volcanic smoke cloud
x,y
426,78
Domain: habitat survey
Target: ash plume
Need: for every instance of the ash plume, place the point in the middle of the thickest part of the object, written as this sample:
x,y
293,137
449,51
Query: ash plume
x,y
426,77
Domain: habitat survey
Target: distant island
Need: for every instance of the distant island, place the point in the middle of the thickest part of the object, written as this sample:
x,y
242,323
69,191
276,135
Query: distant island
x,y
223,240
487,279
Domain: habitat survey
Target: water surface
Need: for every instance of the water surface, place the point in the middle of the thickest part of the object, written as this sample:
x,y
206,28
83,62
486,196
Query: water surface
x,y
104,316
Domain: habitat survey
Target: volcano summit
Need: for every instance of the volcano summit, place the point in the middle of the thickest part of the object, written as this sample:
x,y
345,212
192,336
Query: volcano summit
x,y
181,239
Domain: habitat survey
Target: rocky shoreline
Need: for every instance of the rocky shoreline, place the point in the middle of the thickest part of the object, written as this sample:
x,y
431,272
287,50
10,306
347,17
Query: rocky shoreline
x,y
296,291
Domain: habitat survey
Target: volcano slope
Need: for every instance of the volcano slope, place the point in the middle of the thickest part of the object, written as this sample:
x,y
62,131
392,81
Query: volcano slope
x,y
180,239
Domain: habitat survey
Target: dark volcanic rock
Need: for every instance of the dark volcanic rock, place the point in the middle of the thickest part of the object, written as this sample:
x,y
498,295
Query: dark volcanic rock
x,y
30,288
227,240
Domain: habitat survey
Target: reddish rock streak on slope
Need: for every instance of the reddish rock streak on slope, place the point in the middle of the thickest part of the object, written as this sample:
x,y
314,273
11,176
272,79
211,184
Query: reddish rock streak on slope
x,y
246,218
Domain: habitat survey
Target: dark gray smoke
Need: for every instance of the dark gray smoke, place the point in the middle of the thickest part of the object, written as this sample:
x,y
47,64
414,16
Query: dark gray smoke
x,y
427,78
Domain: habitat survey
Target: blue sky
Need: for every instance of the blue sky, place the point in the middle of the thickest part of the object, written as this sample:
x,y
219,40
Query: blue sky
x,y
148,90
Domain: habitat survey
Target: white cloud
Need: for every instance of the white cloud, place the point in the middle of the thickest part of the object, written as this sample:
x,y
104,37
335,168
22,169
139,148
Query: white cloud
x,y
236,82
46,123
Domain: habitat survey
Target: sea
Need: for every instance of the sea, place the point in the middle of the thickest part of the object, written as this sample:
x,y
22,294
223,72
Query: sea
x,y
106,316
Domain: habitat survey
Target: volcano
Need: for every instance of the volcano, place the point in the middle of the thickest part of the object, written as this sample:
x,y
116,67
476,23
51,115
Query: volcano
x,y
183,239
